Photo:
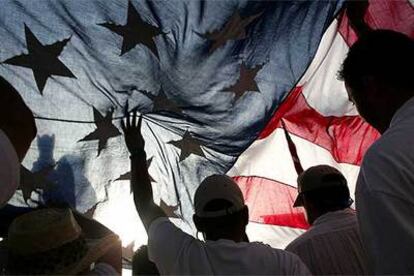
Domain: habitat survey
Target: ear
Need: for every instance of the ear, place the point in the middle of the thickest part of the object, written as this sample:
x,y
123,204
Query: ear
x,y
198,223
309,206
306,204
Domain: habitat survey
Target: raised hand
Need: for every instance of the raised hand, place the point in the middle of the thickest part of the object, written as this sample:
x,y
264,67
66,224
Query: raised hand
x,y
132,132
140,180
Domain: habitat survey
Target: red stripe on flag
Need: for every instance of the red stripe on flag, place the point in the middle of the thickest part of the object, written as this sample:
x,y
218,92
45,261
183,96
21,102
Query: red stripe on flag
x,y
271,202
383,14
295,220
346,138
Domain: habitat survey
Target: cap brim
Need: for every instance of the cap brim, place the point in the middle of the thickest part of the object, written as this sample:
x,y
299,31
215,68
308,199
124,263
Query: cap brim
x,y
298,202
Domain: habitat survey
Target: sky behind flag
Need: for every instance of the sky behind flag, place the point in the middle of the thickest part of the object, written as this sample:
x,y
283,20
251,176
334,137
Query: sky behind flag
x,y
209,77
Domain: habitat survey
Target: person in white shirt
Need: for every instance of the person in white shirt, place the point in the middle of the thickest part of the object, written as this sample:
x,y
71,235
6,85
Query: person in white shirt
x,y
378,74
332,245
220,214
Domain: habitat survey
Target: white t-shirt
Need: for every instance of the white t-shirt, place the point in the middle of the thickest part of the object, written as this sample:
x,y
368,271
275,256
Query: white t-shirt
x,y
175,252
332,245
385,197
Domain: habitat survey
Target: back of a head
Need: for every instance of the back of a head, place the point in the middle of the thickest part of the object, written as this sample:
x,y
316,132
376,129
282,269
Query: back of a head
x,y
330,199
16,119
385,55
322,189
220,211
141,265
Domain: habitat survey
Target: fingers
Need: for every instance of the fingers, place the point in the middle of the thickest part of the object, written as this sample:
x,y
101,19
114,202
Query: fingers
x,y
125,121
134,118
139,122
123,125
126,107
130,120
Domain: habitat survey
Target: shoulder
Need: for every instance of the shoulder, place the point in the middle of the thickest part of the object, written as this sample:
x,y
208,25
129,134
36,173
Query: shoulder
x,y
259,246
385,144
388,166
283,256
290,262
396,139
299,242
285,262
389,153
162,229
159,224
167,243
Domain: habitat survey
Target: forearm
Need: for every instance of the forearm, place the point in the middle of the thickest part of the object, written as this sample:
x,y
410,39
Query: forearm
x,y
142,190
140,181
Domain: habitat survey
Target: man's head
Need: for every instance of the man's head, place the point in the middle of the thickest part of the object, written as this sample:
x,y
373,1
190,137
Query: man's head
x,y
51,241
377,73
16,119
220,212
322,189
141,265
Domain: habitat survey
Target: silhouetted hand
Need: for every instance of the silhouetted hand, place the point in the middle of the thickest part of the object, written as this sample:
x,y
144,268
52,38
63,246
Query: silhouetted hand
x,y
140,179
132,132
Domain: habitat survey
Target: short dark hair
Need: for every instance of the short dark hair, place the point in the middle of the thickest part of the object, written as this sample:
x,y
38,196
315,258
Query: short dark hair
x,y
329,199
141,265
383,54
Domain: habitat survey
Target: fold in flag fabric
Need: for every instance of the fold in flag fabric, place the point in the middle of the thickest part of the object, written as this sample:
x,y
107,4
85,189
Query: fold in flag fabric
x,y
323,128
214,80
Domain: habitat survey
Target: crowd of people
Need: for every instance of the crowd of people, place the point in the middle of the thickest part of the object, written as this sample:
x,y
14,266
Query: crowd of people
x,y
376,238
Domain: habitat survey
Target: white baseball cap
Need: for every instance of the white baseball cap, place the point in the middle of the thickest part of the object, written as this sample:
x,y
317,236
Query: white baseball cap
x,y
9,169
218,187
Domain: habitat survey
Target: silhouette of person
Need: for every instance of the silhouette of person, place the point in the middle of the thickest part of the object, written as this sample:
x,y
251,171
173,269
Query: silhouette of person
x,y
220,214
378,73
18,125
333,244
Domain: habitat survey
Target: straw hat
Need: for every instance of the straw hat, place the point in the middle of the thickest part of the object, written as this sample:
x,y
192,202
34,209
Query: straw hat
x,y
50,241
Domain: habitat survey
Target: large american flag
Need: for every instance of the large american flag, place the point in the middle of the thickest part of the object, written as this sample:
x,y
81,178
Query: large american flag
x,y
223,86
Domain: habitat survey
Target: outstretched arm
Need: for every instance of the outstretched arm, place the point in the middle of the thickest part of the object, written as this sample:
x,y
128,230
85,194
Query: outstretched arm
x,y
140,180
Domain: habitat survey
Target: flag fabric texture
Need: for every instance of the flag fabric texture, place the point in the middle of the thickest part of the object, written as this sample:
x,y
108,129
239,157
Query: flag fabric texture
x,y
322,125
216,82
